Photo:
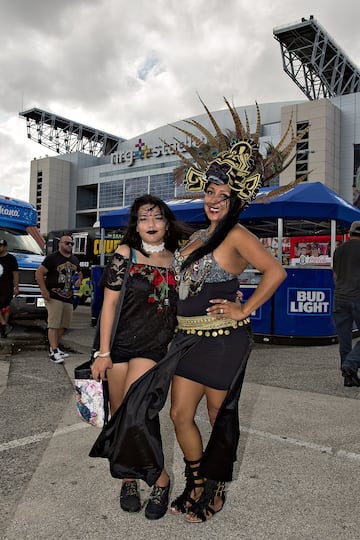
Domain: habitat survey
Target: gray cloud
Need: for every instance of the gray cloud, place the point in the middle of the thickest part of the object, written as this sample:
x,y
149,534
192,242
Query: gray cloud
x,y
127,67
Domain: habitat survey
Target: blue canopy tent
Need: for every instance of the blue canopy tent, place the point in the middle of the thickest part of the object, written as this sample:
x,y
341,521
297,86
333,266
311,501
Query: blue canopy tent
x,y
307,200
308,208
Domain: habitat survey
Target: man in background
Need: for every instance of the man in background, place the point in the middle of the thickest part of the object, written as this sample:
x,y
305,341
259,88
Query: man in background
x,y
346,267
55,279
9,286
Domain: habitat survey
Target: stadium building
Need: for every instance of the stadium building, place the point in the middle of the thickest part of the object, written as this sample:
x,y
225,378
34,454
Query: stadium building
x,y
94,172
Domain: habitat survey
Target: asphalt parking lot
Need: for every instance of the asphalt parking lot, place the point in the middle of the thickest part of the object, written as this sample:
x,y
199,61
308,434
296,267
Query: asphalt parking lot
x,y
297,474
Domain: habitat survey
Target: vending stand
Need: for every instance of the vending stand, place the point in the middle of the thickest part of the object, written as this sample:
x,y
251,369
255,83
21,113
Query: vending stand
x,y
306,222
301,227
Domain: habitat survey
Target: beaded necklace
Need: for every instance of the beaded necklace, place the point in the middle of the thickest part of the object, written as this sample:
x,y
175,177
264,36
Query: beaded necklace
x,y
191,280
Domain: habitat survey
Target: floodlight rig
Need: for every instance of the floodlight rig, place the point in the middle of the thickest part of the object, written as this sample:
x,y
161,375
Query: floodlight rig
x,y
65,136
315,62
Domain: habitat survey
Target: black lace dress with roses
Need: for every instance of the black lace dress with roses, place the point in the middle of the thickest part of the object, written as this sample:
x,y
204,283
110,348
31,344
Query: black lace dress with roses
x,y
148,315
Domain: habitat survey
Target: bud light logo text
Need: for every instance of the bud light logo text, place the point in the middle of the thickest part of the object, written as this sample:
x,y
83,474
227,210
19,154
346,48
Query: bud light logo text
x,y
309,301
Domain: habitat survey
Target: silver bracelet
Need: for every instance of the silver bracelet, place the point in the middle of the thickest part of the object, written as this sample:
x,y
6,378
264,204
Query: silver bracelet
x,y
98,354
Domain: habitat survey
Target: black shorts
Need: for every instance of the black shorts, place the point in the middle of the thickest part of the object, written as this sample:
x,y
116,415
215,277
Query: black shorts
x,y
5,299
125,356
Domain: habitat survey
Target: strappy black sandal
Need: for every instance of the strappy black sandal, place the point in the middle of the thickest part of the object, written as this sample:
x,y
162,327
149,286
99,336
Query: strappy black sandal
x,y
202,509
193,482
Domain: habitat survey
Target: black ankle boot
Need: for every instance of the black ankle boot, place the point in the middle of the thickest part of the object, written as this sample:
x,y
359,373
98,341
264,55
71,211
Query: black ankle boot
x,y
158,502
129,496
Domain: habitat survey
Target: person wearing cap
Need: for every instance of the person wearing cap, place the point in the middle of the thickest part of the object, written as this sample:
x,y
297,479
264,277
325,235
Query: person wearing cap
x,y
346,311
9,286
55,279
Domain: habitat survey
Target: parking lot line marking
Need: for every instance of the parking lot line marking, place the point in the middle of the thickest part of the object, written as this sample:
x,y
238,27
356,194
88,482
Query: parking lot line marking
x,y
344,454
304,444
25,441
69,429
16,443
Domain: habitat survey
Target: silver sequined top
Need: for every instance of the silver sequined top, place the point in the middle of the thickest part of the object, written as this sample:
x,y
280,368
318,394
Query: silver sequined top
x,y
191,280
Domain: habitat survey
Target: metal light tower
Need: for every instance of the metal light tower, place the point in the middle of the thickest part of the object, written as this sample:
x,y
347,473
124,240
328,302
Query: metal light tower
x,y
65,136
315,62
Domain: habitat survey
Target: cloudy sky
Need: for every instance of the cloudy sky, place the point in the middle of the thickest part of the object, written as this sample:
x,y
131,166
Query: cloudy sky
x,y
128,66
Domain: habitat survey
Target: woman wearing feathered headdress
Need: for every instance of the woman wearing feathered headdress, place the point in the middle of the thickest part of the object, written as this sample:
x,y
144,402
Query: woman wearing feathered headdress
x,y
207,270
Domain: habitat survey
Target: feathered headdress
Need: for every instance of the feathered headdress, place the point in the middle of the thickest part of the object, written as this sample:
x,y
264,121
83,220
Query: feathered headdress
x,y
231,157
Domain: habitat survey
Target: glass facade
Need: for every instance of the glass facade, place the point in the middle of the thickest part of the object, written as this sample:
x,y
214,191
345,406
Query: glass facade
x,y
356,183
162,186
118,193
302,152
39,180
135,187
111,194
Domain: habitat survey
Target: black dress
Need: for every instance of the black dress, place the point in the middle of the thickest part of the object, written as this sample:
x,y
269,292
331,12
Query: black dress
x,y
148,315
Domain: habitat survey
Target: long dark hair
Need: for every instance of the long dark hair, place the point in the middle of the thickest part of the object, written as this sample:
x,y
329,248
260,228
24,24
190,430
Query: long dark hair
x,y
222,229
176,230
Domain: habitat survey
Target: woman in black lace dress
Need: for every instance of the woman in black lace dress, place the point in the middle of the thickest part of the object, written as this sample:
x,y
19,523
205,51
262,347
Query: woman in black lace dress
x,y
147,320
